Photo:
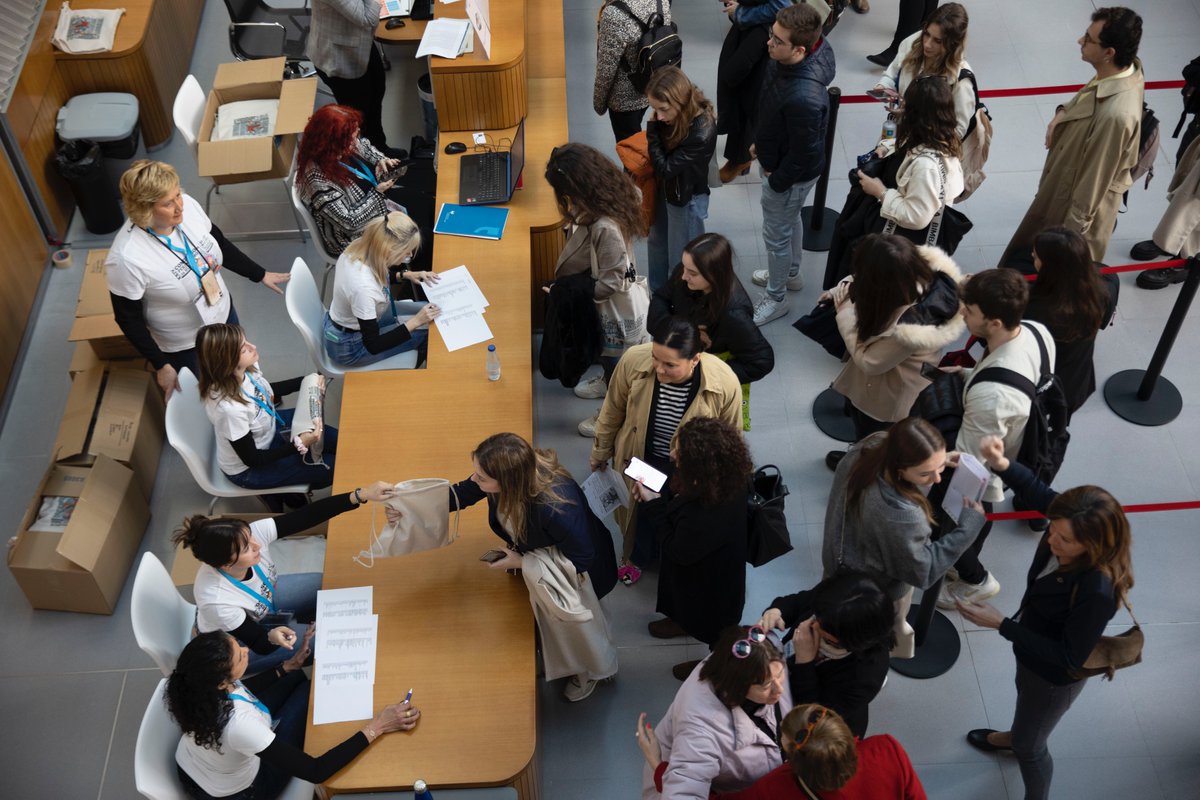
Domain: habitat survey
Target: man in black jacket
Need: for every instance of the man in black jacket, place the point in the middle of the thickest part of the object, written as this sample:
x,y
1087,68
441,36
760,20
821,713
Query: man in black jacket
x,y
790,146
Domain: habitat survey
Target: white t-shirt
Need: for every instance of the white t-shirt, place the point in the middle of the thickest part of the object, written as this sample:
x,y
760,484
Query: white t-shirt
x,y
233,766
356,294
140,267
233,420
220,604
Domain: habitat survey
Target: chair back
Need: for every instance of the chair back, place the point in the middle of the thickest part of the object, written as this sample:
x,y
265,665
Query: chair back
x,y
162,619
306,215
307,311
193,438
188,111
257,30
154,772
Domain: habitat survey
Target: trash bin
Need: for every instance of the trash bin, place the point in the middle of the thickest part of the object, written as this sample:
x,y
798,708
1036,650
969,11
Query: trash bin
x,y
98,135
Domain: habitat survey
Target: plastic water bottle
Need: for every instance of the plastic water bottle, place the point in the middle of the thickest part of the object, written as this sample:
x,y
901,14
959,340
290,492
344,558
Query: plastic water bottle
x,y
420,790
889,128
493,364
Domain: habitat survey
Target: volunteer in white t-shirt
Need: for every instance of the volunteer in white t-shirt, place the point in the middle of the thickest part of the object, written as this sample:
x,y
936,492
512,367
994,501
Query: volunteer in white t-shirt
x,y
244,739
255,449
361,326
237,589
163,270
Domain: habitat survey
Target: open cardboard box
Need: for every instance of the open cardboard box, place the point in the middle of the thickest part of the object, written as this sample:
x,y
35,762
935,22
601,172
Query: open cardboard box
x,y
115,411
83,568
183,570
260,157
94,321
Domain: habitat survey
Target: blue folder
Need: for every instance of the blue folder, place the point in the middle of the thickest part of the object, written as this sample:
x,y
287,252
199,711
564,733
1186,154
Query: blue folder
x,y
478,222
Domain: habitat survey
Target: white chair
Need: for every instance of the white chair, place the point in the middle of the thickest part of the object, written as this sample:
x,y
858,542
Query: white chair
x,y
188,113
329,258
162,620
154,772
308,315
193,437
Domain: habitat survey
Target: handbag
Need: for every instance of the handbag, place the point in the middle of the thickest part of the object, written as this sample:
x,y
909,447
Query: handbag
x,y
945,230
941,402
424,522
767,534
623,313
1112,653
820,325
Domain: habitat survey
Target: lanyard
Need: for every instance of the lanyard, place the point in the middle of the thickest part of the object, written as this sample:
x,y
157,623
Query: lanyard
x,y
265,402
186,250
267,601
252,700
368,175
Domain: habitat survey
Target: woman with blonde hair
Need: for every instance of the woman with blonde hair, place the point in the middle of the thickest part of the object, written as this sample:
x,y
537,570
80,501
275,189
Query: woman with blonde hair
x,y
361,325
681,135
164,270
540,512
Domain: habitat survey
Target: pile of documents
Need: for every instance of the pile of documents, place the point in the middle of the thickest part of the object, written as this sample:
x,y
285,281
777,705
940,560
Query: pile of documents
x,y
344,659
461,322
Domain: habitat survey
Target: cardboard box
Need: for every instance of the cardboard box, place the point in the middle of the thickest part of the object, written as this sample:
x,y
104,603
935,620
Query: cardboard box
x,y
183,570
94,321
259,157
83,568
116,412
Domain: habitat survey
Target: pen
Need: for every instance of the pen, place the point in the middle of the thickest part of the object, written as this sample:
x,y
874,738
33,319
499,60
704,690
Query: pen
x,y
408,696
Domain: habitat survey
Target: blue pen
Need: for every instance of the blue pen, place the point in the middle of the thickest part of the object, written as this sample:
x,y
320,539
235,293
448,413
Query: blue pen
x,y
408,696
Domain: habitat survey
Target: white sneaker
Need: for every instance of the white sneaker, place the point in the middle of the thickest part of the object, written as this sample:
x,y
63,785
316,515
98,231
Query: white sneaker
x,y
594,388
767,309
795,283
588,426
578,688
965,592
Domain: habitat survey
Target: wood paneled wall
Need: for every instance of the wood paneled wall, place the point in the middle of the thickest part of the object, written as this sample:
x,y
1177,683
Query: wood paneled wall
x,y
22,260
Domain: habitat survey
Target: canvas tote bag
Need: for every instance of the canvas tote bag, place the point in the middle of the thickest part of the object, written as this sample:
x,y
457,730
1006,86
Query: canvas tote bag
x,y
424,523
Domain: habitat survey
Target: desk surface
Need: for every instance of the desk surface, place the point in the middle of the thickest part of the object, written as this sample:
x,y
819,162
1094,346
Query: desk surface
x,y
131,30
508,36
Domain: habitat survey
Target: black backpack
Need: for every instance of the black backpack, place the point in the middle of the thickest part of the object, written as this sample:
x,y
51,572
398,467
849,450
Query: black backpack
x,y
1046,437
659,46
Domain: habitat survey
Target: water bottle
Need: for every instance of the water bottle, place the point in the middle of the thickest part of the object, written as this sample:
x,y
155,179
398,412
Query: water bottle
x,y
420,790
889,128
493,364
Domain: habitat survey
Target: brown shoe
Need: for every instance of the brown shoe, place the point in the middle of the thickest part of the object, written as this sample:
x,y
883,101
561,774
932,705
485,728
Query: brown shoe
x,y
731,171
665,628
683,669
861,6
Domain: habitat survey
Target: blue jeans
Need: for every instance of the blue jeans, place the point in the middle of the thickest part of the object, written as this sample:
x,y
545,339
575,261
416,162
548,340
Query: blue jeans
x,y
783,233
674,226
347,348
291,468
296,593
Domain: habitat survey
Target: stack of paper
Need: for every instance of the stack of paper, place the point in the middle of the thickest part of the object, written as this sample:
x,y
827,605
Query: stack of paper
x,y
344,659
461,321
448,38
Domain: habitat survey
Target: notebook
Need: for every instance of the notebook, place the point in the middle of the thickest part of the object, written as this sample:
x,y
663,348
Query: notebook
x,y
488,178
475,221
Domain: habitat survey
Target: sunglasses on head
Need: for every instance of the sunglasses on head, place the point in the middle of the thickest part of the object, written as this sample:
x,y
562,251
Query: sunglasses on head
x,y
742,648
814,719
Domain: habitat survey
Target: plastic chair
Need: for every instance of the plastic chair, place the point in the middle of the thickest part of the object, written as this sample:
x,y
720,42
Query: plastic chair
x,y
154,772
302,209
162,620
308,315
193,437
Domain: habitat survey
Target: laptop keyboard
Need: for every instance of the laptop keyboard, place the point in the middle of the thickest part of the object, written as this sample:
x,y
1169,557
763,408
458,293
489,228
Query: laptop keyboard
x,y
493,175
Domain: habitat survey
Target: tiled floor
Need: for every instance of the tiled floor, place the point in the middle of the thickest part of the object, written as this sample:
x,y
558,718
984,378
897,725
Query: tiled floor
x,y
73,687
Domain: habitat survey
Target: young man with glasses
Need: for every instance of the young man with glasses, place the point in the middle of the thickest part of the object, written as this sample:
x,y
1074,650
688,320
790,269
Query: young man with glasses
x,y
790,146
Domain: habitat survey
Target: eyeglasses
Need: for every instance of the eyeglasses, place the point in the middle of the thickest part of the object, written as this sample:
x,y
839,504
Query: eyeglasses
x,y
742,648
1089,40
775,40
814,720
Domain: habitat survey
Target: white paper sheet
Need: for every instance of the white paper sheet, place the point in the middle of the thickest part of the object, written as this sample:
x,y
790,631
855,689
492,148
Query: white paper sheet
x,y
970,480
341,696
334,604
444,37
344,672
456,290
462,329
605,491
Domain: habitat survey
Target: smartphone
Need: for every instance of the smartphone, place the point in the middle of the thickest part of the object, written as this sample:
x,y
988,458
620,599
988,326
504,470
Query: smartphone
x,y
393,174
641,471
882,95
930,371
492,556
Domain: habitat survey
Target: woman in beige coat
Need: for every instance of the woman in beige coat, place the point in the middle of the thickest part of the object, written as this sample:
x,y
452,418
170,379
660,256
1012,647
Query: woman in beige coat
x,y
655,389
895,313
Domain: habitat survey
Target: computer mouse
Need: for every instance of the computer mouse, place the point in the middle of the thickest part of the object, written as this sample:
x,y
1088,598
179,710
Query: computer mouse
x,y
455,147
393,23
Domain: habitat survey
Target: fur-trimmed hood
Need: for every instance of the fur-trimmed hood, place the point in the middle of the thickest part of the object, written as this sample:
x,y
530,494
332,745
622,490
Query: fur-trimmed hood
x,y
933,337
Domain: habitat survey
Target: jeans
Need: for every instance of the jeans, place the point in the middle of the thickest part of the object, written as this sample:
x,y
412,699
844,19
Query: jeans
x,y
296,593
292,467
364,93
1040,705
674,226
783,233
347,348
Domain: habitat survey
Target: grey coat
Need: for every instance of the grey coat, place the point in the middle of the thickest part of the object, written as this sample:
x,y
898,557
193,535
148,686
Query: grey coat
x,y
341,36
887,536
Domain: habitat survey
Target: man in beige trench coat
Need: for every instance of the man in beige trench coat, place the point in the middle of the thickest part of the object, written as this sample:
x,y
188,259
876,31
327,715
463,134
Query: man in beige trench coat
x,y
1093,140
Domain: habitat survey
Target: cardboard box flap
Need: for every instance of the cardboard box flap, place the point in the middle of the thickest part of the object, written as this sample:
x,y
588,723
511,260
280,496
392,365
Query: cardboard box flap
x,y
248,156
120,413
93,293
296,100
78,418
97,327
236,73
99,503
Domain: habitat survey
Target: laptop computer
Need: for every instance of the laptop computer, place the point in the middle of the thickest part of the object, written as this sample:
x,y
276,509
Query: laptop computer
x,y
488,178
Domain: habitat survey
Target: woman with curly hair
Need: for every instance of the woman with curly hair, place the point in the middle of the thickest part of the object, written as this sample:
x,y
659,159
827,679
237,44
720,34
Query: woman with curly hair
x,y
604,208
701,522
244,739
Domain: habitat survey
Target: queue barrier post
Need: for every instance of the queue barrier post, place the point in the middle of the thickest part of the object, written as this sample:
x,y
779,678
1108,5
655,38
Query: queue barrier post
x,y
819,220
937,642
1144,397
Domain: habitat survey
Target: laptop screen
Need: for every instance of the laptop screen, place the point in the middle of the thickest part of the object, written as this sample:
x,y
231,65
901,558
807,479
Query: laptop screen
x,y
516,158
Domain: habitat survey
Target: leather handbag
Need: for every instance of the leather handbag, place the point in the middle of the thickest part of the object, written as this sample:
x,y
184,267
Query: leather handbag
x,y
767,533
820,325
1113,652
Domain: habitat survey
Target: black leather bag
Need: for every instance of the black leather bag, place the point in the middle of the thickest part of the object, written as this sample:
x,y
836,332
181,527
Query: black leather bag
x,y
767,533
820,325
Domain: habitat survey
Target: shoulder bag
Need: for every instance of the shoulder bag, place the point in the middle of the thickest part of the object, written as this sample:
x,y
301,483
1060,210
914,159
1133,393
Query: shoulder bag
x,y
1112,652
948,226
768,536
623,313
424,523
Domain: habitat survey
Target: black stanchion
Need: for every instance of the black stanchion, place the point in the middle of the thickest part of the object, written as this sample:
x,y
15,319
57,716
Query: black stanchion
x,y
819,220
829,413
937,640
1144,397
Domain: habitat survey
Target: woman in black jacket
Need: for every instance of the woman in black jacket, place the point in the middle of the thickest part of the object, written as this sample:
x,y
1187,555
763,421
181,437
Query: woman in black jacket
x,y
701,521
705,290
681,135
843,630
1080,573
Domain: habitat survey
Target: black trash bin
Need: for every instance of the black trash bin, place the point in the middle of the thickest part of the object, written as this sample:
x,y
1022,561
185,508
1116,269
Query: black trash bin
x,y
99,136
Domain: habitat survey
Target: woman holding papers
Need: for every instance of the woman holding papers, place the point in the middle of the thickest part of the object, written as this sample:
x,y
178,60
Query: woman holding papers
x,y
361,325
880,522
237,589
553,537
701,519
1081,572
244,739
